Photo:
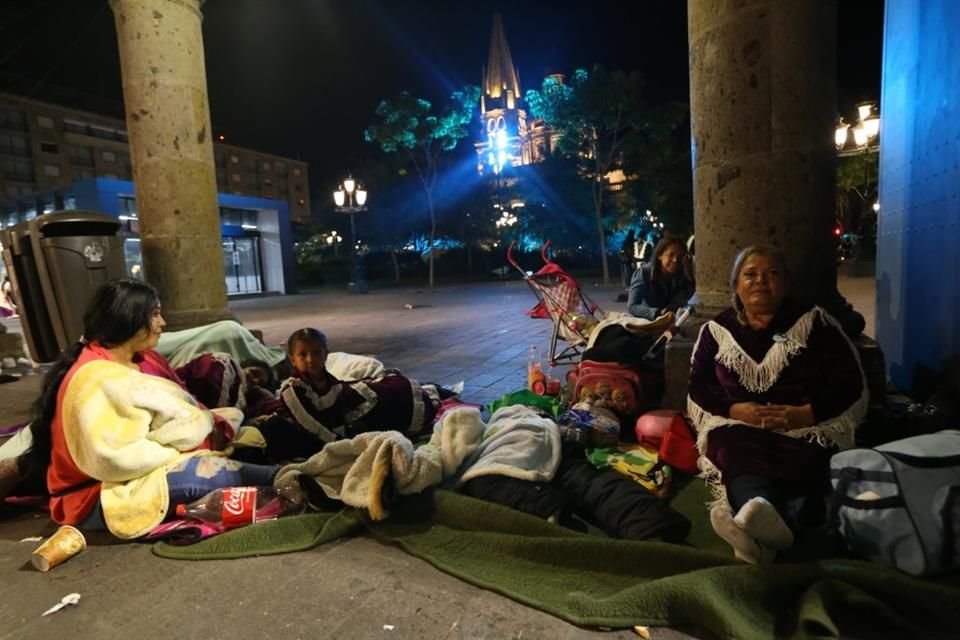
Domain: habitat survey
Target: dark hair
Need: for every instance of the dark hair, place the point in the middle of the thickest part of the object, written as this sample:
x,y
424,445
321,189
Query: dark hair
x,y
754,250
260,364
308,334
662,245
117,312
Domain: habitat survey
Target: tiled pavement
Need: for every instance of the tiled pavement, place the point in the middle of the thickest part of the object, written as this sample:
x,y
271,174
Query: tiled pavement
x,y
475,333
351,589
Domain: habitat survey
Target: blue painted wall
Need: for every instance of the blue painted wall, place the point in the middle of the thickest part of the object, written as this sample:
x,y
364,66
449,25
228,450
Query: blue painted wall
x,y
918,244
102,195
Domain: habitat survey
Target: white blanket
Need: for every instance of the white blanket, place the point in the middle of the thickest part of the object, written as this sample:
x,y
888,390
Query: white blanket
x,y
516,443
355,470
631,324
349,366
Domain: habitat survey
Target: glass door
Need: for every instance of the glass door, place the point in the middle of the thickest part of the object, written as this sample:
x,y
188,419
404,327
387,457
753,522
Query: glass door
x,y
241,265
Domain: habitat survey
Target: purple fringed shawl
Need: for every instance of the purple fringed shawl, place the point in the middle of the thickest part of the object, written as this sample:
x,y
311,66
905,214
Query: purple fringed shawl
x,y
802,357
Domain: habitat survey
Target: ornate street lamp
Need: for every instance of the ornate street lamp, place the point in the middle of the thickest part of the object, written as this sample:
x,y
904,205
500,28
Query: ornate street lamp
x,y
865,132
865,140
334,240
350,197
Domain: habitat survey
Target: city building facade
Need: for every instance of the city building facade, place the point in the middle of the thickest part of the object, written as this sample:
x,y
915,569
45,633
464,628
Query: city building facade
x,y
44,146
54,158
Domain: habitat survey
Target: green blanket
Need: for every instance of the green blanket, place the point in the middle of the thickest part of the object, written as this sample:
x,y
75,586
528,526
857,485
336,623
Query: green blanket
x,y
180,347
596,581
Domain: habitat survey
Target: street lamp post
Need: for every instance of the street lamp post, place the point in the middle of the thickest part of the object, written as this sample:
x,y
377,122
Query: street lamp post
x,y
865,138
334,239
350,197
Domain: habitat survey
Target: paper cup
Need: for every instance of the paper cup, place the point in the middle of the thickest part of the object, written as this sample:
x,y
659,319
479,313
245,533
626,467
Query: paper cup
x,y
58,548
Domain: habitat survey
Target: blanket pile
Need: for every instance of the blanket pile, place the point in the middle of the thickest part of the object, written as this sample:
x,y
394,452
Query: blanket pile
x,y
517,443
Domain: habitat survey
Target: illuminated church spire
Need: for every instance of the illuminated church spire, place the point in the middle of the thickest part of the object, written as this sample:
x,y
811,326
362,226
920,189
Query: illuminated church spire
x,y
506,138
500,77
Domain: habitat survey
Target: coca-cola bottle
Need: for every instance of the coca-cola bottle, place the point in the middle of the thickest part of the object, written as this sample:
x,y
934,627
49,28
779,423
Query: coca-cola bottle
x,y
237,506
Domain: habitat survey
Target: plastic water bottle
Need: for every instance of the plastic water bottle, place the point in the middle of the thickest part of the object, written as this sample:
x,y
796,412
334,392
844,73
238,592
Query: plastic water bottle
x,y
237,506
536,379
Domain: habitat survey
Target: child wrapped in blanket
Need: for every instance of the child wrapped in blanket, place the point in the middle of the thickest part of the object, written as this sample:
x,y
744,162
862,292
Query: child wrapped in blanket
x,y
314,407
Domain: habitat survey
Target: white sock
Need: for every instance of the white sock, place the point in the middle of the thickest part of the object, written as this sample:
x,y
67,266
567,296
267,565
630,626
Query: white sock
x,y
760,520
745,547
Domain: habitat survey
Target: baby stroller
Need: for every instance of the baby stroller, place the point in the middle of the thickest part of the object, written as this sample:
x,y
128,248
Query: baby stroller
x,y
560,299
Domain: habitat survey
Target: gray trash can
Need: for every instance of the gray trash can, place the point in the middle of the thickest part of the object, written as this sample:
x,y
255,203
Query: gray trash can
x,y
55,262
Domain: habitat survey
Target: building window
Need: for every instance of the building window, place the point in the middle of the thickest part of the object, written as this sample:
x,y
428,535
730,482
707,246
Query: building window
x,y
45,122
300,201
82,174
219,159
235,177
281,168
82,156
250,164
296,171
268,182
234,160
266,166
51,170
109,156
49,147
14,145
128,205
298,188
282,185
71,126
19,170
13,119
110,176
104,132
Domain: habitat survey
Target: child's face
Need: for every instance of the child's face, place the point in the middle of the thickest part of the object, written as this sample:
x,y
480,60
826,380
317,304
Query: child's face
x,y
257,375
309,357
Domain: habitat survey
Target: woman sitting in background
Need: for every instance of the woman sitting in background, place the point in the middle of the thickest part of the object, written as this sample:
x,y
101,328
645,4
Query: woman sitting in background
x,y
120,439
776,388
664,284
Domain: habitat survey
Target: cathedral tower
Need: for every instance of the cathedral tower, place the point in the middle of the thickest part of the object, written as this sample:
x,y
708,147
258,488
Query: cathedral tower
x,y
506,137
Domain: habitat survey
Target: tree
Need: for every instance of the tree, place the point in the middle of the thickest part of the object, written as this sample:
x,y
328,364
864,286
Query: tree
x,y
596,116
409,124
657,161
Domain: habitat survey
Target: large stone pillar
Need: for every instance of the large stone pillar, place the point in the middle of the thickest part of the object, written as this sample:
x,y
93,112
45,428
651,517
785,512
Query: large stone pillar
x,y
762,111
168,118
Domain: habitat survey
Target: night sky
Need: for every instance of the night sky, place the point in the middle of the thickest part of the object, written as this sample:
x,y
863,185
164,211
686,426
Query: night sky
x,y
301,78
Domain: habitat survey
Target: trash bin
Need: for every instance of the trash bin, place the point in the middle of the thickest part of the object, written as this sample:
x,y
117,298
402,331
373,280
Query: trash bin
x,y
55,262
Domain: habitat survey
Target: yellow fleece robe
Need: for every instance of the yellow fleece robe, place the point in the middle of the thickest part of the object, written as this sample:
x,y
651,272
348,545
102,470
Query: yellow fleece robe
x,y
126,429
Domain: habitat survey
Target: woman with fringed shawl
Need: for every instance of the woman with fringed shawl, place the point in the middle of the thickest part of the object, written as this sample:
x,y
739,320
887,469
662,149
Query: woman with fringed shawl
x,y
776,388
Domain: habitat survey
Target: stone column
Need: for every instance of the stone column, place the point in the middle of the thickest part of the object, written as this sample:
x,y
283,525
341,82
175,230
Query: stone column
x,y
168,119
762,110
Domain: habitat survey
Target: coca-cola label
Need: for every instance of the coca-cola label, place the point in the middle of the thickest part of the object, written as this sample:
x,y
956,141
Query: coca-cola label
x,y
239,506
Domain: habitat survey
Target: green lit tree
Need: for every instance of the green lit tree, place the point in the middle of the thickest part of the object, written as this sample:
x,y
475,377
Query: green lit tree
x,y
596,114
410,125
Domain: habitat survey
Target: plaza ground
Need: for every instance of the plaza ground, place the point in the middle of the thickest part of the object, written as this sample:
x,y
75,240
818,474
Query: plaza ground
x,y
352,588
